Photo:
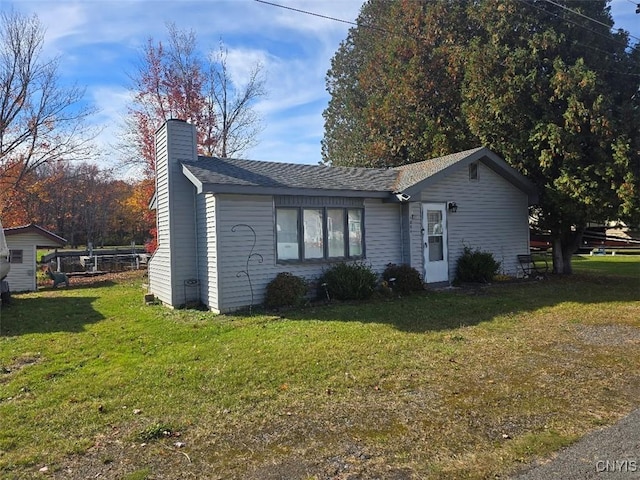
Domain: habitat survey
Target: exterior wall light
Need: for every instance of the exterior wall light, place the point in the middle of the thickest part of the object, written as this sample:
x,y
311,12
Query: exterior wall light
x,y
453,207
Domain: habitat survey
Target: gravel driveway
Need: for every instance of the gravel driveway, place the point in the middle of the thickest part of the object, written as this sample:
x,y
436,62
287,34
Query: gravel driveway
x,y
610,453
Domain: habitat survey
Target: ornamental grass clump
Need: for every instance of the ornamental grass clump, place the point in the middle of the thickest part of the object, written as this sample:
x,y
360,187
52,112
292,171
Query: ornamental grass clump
x,y
475,266
349,281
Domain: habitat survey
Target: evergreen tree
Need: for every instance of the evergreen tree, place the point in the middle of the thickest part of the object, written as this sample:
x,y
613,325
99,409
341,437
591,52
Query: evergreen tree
x,y
546,85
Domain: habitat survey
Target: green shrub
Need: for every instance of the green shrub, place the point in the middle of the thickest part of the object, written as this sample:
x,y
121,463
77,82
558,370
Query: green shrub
x,y
349,281
403,279
475,266
285,290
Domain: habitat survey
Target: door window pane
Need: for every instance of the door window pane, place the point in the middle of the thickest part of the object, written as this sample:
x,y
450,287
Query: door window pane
x,y
436,252
355,233
434,222
313,233
434,227
335,232
287,233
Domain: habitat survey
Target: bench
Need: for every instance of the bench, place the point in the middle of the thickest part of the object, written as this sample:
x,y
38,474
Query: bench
x,y
536,266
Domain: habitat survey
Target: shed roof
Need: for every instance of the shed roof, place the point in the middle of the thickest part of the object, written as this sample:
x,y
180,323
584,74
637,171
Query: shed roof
x,y
52,240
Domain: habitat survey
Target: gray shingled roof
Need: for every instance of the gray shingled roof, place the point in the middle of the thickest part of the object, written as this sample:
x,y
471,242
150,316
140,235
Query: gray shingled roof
x,y
253,173
411,174
252,176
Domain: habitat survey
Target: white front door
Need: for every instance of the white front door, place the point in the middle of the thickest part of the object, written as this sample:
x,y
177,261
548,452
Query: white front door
x,y
434,238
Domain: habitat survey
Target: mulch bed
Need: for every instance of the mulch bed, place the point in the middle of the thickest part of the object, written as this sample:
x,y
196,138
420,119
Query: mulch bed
x,y
93,278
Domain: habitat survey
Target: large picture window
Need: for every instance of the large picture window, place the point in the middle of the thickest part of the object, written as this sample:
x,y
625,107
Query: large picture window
x,y
319,233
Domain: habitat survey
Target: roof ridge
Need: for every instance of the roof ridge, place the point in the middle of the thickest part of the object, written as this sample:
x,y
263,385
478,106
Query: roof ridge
x,y
463,153
205,157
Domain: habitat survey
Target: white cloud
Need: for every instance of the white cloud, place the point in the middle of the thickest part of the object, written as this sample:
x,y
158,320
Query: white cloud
x,y
98,42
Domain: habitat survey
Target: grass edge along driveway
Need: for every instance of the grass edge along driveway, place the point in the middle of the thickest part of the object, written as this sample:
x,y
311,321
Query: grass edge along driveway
x,y
469,383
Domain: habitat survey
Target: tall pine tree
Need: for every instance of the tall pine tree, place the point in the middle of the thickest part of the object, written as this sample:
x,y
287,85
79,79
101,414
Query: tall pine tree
x,y
547,85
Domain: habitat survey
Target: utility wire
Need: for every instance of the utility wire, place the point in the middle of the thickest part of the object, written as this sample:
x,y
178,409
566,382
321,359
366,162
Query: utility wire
x,y
609,27
307,13
326,17
573,23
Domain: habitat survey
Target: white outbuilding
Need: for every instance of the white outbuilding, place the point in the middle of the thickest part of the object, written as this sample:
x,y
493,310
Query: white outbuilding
x,y
23,243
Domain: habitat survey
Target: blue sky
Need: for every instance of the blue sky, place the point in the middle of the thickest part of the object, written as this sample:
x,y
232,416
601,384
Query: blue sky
x,y
99,41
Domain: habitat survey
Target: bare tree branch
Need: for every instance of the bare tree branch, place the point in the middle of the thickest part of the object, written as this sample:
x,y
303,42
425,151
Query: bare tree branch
x,y
40,121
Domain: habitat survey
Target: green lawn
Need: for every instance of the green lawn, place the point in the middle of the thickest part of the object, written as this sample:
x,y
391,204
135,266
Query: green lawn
x,y
465,383
625,265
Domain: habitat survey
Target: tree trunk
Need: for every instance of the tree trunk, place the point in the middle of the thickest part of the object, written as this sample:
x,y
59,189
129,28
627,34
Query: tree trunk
x,y
565,244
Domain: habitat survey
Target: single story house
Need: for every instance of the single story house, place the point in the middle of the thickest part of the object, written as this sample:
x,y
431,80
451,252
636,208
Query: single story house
x,y
227,227
23,243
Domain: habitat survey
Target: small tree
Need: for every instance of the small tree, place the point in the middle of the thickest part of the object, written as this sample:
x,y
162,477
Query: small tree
x,y
174,80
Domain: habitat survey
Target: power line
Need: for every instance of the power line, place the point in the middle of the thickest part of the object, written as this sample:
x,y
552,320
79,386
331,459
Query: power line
x,y
326,17
573,23
307,13
335,19
585,16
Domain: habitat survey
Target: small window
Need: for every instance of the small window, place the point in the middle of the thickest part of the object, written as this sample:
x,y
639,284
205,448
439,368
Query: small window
x,y
15,256
473,171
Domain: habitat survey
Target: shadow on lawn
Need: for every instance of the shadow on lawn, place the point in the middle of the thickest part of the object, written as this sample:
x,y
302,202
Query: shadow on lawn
x,y
450,309
47,315
76,286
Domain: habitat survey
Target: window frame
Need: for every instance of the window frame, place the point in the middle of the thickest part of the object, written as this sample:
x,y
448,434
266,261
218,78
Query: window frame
x,y
16,256
325,234
474,172
298,238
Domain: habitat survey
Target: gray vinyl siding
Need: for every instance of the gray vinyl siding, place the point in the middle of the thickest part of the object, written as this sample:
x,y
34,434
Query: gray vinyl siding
x,y
174,261
416,252
383,240
207,250
492,216
160,263
235,214
311,201
382,246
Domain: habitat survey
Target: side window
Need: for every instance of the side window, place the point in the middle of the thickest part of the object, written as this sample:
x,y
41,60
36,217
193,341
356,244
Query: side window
x,y
473,171
15,256
335,232
356,243
287,234
313,233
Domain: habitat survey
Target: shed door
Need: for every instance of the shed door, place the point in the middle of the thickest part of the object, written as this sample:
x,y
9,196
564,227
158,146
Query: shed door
x,y
434,228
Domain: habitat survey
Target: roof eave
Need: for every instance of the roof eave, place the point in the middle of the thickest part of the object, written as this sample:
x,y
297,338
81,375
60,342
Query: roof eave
x,y
192,178
318,192
56,241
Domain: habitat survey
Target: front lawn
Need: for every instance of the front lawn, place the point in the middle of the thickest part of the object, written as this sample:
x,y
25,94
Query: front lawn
x,y
463,383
